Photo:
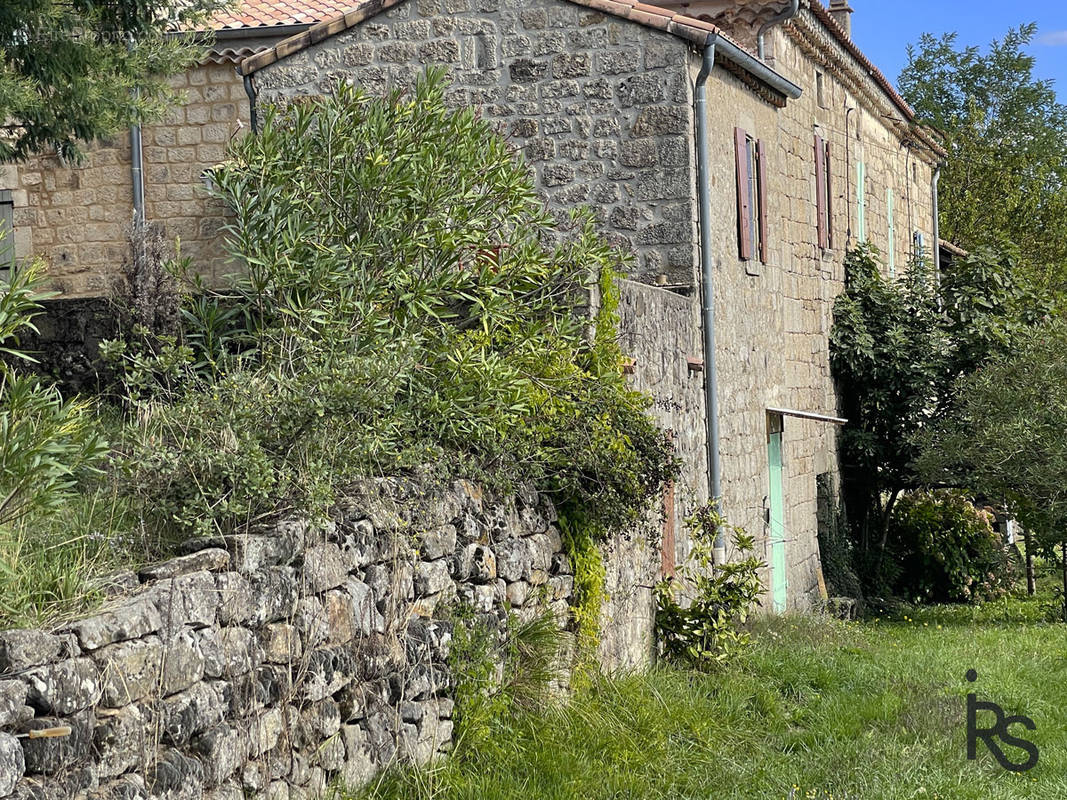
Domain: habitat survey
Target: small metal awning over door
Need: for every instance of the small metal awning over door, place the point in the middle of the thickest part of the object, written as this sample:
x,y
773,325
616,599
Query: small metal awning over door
x,y
792,412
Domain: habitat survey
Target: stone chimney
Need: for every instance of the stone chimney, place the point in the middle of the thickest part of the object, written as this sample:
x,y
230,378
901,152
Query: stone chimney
x,y
841,11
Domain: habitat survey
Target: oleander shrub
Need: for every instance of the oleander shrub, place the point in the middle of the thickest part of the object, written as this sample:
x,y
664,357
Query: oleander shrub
x,y
406,300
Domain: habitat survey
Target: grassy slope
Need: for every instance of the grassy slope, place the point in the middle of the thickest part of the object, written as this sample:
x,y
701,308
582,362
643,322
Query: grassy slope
x,y
861,710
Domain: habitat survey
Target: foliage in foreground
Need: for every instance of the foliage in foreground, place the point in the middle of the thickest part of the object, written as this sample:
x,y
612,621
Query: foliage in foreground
x,y
897,348
45,442
1005,438
701,613
946,550
53,527
74,72
408,301
817,709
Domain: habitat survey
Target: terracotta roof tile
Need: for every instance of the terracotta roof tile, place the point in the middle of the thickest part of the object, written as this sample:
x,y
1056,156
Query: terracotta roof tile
x,y
271,13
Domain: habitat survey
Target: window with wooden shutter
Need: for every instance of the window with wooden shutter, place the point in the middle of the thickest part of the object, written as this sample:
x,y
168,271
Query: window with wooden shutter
x,y
761,198
750,157
744,194
828,188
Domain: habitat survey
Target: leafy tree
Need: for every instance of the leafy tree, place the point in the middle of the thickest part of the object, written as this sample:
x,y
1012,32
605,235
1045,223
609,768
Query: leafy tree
x,y
1006,133
896,348
888,352
1005,438
76,70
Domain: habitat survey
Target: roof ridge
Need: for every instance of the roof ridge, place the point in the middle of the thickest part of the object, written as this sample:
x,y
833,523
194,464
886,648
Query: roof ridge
x,y
683,26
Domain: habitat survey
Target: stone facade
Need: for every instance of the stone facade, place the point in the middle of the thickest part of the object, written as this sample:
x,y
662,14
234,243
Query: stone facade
x,y
77,216
601,108
270,664
772,328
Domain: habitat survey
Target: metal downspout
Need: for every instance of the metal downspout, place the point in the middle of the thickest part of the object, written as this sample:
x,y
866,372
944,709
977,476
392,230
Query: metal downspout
x,y
137,174
250,90
707,295
937,226
136,163
777,19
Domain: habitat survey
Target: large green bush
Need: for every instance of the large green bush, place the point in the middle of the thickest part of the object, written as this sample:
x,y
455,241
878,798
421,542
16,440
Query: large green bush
x,y
947,550
406,300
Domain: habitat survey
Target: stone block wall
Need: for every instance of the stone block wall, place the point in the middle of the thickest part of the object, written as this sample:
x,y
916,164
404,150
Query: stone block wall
x,y
77,216
274,663
601,108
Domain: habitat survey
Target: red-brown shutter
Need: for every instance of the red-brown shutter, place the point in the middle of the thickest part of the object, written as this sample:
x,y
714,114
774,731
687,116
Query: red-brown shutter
x,y
820,191
761,199
828,168
744,213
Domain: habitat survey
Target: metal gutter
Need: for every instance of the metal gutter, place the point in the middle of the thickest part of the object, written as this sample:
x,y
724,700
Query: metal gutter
x,y
262,31
732,52
777,19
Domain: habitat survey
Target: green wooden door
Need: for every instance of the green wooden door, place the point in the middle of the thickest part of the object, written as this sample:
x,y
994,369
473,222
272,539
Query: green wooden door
x,y
776,516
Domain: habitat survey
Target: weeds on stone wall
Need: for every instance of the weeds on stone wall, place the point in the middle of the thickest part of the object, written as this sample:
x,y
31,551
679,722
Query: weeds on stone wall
x,y
700,614
407,300
580,543
497,672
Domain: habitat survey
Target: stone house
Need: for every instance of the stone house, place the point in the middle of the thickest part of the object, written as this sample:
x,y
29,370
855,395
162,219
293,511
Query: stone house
x,y
77,216
738,149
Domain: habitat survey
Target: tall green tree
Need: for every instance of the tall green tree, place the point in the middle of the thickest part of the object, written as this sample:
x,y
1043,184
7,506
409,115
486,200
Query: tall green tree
x,y
76,70
1005,438
896,349
1006,133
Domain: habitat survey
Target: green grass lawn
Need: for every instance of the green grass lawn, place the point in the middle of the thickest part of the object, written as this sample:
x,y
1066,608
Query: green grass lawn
x,y
817,709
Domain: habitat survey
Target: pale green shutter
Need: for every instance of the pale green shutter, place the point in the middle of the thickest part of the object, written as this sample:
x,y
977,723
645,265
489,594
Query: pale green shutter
x,y
861,201
892,244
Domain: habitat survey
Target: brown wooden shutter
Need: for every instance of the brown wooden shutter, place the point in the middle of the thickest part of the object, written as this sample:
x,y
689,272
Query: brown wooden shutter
x,y
820,191
829,183
744,213
761,199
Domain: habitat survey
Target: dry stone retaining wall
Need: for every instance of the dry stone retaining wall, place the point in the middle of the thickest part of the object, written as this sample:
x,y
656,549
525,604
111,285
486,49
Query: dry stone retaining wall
x,y
274,663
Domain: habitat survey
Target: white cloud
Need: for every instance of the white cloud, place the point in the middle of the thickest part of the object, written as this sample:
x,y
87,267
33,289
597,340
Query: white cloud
x,y
1053,39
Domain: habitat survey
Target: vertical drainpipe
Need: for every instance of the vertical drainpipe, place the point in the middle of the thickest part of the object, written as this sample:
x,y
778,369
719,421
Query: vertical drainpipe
x,y
136,164
250,90
137,174
791,11
707,294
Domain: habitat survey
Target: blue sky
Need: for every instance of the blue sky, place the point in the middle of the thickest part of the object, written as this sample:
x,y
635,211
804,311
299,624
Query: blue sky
x,y
883,28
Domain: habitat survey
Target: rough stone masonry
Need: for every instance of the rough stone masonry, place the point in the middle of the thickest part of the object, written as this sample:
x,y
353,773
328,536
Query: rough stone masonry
x,y
273,664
